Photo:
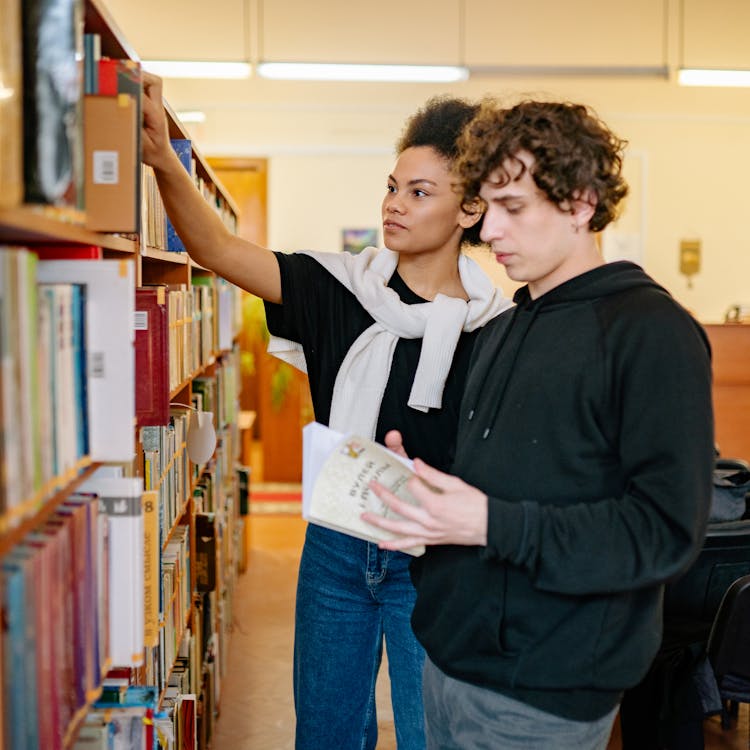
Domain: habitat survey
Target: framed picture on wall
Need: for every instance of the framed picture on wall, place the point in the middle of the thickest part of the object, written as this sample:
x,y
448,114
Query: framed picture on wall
x,y
356,240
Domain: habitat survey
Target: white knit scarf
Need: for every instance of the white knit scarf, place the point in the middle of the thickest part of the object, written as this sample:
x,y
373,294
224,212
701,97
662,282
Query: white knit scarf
x,y
362,377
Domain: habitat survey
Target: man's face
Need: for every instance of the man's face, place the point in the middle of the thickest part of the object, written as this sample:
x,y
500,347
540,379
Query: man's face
x,y
531,237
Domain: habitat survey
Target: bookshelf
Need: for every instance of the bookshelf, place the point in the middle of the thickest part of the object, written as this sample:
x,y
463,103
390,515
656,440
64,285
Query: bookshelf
x,y
118,552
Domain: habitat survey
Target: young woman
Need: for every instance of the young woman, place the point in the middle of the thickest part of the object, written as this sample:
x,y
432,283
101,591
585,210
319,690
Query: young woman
x,y
386,337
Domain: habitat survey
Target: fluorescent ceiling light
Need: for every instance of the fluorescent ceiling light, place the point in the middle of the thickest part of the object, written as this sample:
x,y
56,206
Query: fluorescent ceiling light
x,y
197,69
346,72
700,77
192,115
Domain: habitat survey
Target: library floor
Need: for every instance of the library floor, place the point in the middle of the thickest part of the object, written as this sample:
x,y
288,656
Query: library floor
x,y
256,698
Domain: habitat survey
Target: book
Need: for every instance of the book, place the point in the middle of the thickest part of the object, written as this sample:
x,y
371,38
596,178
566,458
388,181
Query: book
x,y
61,613
336,471
67,251
112,163
13,602
80,512
120,498
151,356
2,686
92,54
110,387
184,150
11,104
151,555
53,89
186,722
45,577
205,552
124,77
20,429
20,573
243,489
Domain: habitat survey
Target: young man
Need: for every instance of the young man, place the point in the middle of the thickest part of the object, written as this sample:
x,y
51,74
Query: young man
x,y
582,476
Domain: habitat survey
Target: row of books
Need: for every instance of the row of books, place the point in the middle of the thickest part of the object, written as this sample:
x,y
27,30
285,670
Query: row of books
x,y
127,717
153,213
67,350
67,375
166,467
124,717
71,132
202,319
183,147
55,634
79,581
72,598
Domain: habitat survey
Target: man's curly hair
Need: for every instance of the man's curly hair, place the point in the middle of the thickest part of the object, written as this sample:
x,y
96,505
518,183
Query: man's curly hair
x,y
438,124
573,150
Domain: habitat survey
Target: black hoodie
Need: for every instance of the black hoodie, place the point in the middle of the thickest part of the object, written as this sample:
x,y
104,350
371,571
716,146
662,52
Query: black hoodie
x,y
587,421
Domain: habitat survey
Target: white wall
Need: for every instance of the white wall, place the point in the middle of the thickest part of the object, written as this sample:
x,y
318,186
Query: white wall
x,y
330,145
688,156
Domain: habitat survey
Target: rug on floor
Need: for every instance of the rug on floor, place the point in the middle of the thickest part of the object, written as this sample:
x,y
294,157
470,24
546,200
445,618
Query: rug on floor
x,y
275,498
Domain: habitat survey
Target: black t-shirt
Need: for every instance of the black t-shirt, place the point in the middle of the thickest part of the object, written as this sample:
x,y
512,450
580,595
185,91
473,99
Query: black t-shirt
x,y
325,318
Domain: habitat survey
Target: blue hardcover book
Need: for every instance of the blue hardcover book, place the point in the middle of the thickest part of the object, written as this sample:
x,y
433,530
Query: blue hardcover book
x,y
184,149
13,650
20,686
92,53
79,369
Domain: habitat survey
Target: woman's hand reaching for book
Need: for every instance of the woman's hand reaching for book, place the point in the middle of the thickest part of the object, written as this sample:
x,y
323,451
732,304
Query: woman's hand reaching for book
x,y
450,511
155,145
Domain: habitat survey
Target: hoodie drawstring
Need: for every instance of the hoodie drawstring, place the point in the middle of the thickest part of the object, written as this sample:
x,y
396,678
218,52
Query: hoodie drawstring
x,y
520,328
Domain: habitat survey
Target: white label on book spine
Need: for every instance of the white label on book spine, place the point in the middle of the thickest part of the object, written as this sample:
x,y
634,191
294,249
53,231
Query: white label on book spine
x,y
96,365
140,322
106,168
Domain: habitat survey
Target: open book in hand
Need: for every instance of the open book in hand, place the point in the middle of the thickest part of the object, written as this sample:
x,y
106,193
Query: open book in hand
x,y
336,473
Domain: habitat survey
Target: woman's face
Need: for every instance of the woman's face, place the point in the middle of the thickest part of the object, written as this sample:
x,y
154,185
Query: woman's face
x,y
421,210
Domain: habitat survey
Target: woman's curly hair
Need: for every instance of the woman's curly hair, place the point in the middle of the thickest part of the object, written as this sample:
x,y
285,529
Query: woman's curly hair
x,y
439,124
573,150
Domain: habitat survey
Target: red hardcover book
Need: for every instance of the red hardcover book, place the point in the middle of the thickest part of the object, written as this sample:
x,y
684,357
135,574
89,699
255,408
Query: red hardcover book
x,y
119,77
59,707
68,251
82,509
61,530
39,583
151,356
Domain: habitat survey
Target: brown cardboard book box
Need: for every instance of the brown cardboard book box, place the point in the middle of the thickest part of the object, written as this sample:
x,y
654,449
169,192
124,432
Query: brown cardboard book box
x,y
112,160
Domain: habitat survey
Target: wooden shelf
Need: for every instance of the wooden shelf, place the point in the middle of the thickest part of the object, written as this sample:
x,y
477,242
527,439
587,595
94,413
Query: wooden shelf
x,y
14,535
165,256
30,223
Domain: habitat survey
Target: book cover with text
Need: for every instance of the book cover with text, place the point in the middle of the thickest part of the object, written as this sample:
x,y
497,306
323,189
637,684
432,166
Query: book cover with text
x,y
336,472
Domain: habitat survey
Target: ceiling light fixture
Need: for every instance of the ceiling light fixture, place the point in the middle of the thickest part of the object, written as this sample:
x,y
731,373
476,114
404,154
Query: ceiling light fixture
x,y
707,77
352,72
198,69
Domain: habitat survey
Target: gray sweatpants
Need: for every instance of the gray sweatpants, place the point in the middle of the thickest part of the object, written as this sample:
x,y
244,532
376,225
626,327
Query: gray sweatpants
x,y
460,716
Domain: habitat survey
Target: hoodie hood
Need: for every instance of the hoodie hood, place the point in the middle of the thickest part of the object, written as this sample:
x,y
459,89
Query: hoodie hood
x,y
611,278
601,282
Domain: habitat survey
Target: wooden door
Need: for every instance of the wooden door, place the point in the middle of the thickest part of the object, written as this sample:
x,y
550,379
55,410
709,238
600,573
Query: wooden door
x,y
279,394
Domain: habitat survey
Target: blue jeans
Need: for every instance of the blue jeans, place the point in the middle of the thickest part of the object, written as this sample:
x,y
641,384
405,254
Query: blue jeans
x,y
350,597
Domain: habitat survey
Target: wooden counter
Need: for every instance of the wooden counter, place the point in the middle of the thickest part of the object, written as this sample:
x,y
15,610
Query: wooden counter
x,y
730,344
